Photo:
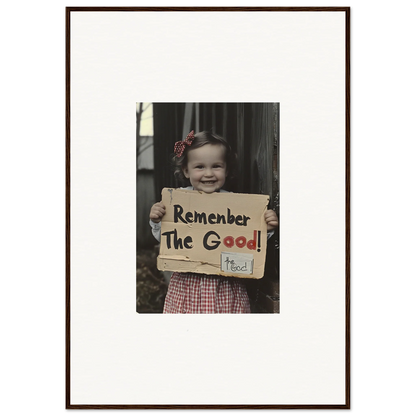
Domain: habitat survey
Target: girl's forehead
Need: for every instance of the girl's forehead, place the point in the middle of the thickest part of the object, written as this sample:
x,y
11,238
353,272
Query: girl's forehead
x,y
216,151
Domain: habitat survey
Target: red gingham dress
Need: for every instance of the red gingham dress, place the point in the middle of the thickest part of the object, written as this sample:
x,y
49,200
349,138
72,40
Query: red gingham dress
x,y
201,293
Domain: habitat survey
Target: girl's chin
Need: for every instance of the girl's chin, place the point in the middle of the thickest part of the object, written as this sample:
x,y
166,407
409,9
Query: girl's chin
x,y
207,188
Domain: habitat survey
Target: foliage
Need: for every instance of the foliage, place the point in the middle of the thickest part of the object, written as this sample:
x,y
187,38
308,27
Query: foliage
x,y
151,286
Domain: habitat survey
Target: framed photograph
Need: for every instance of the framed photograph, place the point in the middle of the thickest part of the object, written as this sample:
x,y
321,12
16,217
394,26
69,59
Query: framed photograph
x,y
247,110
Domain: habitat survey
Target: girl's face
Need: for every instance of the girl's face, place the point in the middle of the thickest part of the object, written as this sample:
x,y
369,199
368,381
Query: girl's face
x,y
206,168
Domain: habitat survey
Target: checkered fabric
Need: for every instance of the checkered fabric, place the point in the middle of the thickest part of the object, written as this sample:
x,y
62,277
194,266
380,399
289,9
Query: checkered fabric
x,y
201,293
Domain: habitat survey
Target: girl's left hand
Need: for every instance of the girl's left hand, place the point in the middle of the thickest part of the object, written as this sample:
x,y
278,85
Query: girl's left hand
x,y
271,219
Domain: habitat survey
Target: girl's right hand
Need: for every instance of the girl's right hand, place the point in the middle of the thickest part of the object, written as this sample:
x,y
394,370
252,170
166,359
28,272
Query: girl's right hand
x,y
157,212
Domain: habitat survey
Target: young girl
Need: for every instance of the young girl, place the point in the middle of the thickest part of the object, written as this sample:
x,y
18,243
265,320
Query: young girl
x,y
206,160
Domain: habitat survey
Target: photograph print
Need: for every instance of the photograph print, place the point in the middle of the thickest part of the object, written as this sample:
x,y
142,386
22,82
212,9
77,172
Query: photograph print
x,y
207,230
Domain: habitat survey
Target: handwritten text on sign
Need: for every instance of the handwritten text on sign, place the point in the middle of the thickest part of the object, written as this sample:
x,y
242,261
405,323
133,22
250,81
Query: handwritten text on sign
x,y
199,230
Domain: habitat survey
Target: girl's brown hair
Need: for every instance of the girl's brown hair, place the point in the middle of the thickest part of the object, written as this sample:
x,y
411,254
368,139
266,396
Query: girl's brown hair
x,y
201,139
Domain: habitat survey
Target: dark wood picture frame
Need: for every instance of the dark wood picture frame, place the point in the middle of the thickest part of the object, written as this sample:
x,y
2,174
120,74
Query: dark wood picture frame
x,y
345,10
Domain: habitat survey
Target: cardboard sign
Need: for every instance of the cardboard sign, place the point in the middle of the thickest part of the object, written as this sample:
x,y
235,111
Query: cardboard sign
x,y
220,233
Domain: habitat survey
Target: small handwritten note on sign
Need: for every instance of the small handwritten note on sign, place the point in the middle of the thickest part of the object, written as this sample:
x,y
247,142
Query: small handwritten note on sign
x,y
221,233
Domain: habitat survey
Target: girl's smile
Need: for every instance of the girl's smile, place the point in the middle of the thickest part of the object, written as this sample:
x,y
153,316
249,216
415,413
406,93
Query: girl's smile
x,y
206,168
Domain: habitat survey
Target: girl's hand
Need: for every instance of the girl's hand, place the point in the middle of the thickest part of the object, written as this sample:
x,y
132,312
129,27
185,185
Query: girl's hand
x,y
157,212
271,219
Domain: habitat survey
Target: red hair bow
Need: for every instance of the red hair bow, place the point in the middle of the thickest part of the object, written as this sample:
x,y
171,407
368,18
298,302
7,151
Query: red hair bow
x,y
180,146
